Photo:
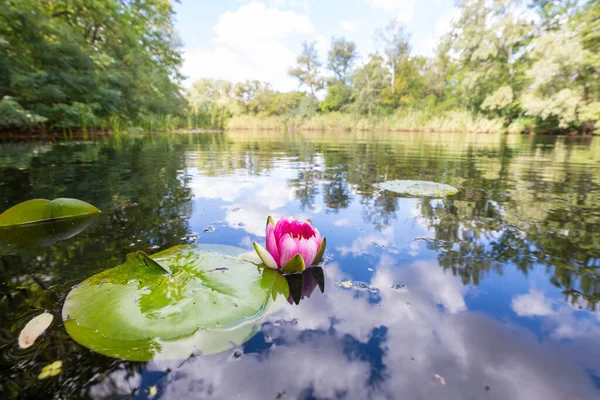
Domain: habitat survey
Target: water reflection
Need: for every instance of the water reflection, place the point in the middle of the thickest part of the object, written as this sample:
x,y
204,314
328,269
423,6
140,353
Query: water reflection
x,y
343,345
502,278
303,285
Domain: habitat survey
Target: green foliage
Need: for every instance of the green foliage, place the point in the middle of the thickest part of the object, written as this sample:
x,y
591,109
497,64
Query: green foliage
x,y
307,70
81,63
91,64
13,116
341,58
499,69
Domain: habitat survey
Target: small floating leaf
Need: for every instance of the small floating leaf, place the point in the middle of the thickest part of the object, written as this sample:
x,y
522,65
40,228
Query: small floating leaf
x,y
419,188
346,284
34,329
440,379
46,232
51,370
152,391
38,210
138,311
41,222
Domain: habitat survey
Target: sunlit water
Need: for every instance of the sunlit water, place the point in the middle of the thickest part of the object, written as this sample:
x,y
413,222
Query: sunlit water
x,y
488,294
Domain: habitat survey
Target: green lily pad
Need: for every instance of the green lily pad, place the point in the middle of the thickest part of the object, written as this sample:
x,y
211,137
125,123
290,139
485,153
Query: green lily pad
x,y
40,210
419,188
46,232
139,311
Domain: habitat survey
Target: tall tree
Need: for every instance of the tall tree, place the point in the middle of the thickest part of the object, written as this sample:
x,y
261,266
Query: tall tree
x,y
394,41
307,70
80,62
490,39
368,83
341,58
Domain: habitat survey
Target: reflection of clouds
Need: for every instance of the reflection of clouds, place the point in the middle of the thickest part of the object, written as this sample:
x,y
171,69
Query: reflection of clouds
x,y
343,222
270,199
251,199
565,321
345,346
444,291
362,243
531,304
224,188
251,215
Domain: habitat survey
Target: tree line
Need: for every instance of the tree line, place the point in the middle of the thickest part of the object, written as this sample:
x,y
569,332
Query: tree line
x,y
73,64
532,65
527,65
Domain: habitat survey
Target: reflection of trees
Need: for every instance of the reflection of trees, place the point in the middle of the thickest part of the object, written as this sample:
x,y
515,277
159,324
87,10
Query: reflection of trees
x,y
546,218
138,185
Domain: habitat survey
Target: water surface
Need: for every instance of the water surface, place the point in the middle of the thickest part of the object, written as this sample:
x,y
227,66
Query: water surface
x,y
488,294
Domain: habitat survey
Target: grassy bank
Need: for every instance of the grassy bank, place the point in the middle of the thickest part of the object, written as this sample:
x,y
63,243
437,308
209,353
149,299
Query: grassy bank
x,y
411,122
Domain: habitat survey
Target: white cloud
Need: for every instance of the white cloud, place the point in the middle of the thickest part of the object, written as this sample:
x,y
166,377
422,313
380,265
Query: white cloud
x,y
531,304
404,8
364,243
226,188
299,4
344,222
442,27
322,45
350,26
249,44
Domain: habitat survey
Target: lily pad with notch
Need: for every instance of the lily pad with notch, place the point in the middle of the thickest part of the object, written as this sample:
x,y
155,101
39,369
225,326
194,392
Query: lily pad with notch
x,y
418,188
181,301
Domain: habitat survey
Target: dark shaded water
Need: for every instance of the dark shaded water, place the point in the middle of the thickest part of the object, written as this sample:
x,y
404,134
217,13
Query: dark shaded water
x,y
499,283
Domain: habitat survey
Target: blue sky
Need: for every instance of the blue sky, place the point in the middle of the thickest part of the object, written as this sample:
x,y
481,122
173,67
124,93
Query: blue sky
x,y
243,39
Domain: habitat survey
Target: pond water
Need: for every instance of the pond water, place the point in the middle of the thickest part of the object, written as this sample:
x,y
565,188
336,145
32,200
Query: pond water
x,y
487,294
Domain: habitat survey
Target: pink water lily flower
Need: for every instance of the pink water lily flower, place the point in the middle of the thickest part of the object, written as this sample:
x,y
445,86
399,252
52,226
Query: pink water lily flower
x,y
291,245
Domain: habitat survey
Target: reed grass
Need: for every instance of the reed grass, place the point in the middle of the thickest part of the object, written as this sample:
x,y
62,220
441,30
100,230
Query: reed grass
x,y
411,121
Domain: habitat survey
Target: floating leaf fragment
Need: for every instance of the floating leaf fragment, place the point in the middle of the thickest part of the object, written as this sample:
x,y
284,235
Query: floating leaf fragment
x,y
346,284
418,188
152,391
440,379
34,329
51,370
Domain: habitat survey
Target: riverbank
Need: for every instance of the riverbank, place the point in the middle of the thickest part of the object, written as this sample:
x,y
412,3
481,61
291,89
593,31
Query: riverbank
x,y
411,122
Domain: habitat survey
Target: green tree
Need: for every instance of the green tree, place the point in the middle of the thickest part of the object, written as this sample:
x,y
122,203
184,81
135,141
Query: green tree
x,y
341,58
80,63
394,41
369,82
307,70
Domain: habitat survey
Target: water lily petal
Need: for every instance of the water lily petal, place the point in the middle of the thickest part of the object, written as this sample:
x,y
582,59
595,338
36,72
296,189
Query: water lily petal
x,y
307,248
272,242
288,248
265,256
307,230
282,227
319,256
296,228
